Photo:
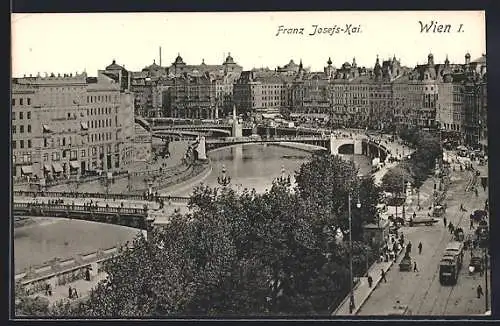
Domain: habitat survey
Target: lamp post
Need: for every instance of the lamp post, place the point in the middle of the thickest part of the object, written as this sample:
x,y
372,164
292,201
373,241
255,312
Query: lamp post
x,y
351,276
224,180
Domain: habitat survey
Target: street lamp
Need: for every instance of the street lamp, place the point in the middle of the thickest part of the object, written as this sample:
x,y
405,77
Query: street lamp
x,y
224,180
351,277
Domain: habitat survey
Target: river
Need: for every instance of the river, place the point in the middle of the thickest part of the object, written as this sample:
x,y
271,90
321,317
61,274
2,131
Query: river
x,y
249,166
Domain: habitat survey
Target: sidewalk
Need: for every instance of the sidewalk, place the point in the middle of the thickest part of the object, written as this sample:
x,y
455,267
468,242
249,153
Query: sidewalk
x,y
362,291
82,287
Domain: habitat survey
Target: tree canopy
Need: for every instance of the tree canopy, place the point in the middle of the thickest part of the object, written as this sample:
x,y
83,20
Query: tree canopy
x,y
245,254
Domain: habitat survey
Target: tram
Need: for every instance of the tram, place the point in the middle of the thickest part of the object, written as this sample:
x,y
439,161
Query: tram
x,y
451,263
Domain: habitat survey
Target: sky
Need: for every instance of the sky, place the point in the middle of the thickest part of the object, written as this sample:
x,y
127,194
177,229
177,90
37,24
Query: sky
x,y
69,43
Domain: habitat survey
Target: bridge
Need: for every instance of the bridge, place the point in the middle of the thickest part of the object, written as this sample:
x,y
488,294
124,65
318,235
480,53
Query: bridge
x,y
75,205
131,217
182,134
335,144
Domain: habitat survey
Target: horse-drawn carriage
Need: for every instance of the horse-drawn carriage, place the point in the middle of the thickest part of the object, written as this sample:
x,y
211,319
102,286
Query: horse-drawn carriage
x,y
405,264
475,265
439,210
422,220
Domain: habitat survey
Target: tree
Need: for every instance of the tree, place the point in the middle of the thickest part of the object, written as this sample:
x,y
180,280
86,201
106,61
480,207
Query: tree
x,y
29,305
392,181
324,185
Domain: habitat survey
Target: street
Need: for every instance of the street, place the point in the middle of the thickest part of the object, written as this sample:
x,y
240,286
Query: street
x,y
421,290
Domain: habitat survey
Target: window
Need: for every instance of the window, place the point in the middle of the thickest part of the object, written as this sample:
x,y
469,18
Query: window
x,y
29,103
13,115
20,101
13,101
21,129
72,155
14,129
21,143
45,157
13,144
82,153
64,142
69,115
29,143
29,128
20,115
45,142
55,156
28,115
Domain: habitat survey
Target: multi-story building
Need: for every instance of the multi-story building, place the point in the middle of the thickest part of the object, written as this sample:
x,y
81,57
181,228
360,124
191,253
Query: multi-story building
x,y
191,97
261,91
76,124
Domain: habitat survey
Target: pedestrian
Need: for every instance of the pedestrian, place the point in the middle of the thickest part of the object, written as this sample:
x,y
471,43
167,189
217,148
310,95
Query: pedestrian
x,y
445,221
479,291
420,248
475,190
408,247
70,293
47,286
415,269
414,215
370,281
75,293
471,224
382,276
50,290
87,274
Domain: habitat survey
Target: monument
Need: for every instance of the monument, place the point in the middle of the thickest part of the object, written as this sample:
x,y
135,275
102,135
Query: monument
x,y
237,128
201,150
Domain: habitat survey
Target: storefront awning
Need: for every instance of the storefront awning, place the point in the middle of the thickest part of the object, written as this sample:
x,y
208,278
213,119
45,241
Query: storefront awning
x,y
47,167
27,169
74,165
84,125
57,167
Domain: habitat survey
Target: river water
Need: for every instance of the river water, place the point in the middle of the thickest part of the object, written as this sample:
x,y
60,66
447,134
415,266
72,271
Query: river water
x,y
249,165
257,165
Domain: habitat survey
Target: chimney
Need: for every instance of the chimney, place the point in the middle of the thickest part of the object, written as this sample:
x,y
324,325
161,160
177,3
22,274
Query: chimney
x,y
160,56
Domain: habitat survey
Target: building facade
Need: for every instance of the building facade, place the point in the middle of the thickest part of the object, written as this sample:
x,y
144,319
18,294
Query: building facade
x,y
77,124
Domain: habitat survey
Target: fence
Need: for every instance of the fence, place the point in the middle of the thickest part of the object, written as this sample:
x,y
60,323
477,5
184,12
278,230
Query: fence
x,y
71,194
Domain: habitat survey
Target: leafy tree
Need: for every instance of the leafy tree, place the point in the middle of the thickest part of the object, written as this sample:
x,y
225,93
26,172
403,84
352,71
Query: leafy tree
x,y
392,181
324,184
244,254
29,305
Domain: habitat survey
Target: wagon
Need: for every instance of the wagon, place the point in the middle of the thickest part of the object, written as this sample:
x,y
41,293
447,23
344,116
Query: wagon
x,y
405,264
476,264
420,221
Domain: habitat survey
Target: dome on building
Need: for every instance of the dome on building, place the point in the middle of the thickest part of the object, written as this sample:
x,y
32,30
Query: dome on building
x,y
152,67
329,62
481,60
179,60
114,66
229,59
467,55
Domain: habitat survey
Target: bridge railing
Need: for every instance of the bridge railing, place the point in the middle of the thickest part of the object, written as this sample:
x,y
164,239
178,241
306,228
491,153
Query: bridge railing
x,y
79,208
62,194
